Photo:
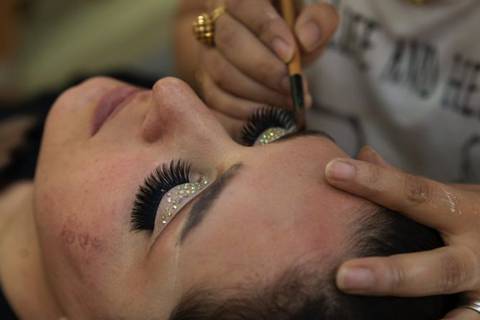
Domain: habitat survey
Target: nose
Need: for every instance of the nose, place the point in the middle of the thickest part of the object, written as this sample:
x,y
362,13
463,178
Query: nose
x,y
177,112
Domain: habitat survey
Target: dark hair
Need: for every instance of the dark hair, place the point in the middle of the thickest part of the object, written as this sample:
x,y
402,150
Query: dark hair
x,y
305,293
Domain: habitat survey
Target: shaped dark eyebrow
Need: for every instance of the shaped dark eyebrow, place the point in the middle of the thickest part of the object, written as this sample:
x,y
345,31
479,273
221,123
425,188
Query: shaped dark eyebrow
x,y
304,133
201,207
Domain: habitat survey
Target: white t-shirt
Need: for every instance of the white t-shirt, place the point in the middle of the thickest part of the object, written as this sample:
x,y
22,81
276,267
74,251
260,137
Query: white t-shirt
x,y
404,79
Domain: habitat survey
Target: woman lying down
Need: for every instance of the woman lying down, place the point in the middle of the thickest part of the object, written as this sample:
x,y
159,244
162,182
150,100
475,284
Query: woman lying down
x,y
143,207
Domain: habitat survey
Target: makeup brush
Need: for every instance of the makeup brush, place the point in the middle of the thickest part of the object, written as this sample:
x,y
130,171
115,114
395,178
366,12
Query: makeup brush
x,y
295,67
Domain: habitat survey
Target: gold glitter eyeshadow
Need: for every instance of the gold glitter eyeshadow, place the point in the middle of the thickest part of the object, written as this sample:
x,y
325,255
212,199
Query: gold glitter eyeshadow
x,y
179,196
270,135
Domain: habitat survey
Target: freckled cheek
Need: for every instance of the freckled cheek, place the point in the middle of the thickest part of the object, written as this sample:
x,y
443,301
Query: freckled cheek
x,y
77,237
83,250
82,214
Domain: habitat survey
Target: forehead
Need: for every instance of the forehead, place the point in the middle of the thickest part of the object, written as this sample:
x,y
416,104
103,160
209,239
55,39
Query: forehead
x,y
286,182
275,211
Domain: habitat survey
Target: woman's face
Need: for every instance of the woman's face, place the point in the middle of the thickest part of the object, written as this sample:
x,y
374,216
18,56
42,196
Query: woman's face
x,y
257,211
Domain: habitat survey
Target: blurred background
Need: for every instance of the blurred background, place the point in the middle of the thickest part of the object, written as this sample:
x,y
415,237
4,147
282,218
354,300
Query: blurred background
x,y
44,44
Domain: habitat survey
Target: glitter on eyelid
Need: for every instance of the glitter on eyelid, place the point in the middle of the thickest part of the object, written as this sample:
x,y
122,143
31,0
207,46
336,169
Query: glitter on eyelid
x,y
180,196
270,135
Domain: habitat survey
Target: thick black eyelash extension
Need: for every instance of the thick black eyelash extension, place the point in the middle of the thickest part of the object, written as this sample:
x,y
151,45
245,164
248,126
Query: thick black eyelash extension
x,y
263,119
150,194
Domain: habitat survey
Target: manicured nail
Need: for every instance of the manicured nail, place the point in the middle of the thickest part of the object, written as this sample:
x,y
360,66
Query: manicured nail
x,y
282,49
355,279
340,170
310,35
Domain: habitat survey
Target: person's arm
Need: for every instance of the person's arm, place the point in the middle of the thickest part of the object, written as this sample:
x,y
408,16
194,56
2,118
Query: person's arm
x,y
453,210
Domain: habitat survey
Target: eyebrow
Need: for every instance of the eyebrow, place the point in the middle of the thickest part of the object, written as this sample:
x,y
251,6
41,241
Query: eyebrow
x,y
202,206
206,200
298,134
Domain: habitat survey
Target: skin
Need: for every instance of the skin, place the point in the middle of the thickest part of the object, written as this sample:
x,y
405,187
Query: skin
x,y
233,83
452,209
235,80
89,263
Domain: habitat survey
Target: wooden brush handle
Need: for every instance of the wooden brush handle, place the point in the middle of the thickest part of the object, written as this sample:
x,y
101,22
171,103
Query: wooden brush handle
x,y
289,14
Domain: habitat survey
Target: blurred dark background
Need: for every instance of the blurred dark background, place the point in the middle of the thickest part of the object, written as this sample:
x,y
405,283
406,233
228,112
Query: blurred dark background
x,y
47,44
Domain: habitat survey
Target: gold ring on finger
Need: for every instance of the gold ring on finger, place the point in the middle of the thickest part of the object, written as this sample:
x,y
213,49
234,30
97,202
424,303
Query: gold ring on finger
x,y
204,26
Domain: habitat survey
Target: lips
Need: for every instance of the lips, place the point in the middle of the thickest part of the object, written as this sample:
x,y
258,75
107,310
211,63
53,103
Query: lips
x,y
110,104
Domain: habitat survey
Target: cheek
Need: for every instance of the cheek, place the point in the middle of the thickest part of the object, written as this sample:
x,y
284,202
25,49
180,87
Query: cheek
x,y
83,213
70,238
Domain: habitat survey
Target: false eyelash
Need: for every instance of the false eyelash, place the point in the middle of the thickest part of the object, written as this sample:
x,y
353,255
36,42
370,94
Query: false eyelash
x,y
150,194
263,119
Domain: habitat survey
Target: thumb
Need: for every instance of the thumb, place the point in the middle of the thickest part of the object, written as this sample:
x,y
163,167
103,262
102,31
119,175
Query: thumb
x,y
315,26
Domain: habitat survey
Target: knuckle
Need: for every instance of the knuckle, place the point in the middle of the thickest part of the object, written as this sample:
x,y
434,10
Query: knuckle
x,y
397,278
224,34
417,190
265,27
270,72
218,71
373,175
222,82
453,274
370,180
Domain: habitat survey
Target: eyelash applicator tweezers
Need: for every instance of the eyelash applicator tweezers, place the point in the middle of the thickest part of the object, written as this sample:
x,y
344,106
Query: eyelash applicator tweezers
x,y
295,68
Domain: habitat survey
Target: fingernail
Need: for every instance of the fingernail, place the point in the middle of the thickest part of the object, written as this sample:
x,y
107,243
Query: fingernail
x,y
308,95
355,279
340,170
308,101
285,84
282,49
310,35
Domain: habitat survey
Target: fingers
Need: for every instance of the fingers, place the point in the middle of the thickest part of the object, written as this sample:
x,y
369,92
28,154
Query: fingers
x,y
440,271
315,26
442,207
230,79
224,102
245,51
462,314
262,19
